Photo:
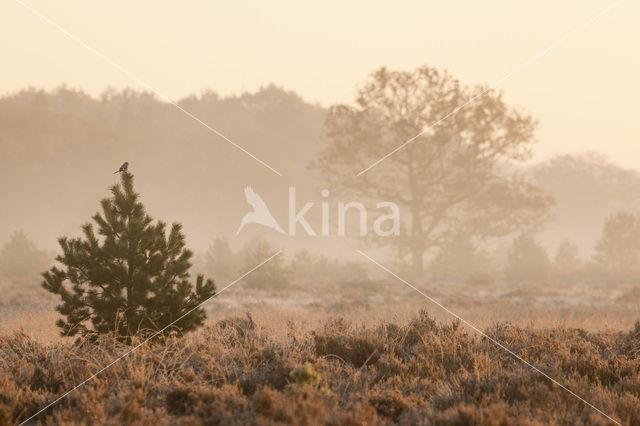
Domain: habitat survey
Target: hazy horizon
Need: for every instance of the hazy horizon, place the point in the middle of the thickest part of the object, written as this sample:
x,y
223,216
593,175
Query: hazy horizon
x,y
326,52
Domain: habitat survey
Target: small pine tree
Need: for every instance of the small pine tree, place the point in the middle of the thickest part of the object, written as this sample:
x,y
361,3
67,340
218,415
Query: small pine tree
x,y
274,275
567,263
461,261
221,262
21,258
617,252
527,260
132,279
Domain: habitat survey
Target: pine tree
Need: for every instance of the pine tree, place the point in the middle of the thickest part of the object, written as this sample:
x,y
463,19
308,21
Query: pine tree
x,y
21,258
132,278
273,275
617,252
527,260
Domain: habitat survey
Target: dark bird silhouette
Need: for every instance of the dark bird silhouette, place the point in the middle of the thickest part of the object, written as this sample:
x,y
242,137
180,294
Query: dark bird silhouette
x,y
122,168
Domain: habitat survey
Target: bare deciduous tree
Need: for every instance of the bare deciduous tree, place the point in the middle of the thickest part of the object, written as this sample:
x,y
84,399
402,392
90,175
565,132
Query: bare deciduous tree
x,y
456,177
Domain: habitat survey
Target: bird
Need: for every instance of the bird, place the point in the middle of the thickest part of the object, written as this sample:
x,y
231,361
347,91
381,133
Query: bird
x,y
122,168
260,214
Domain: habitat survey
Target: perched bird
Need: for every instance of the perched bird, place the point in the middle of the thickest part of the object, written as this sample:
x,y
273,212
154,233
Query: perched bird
x,y
122,168
260,214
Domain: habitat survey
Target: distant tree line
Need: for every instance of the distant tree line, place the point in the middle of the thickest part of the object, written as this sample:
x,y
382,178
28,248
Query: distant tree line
x,y
615,257
302,268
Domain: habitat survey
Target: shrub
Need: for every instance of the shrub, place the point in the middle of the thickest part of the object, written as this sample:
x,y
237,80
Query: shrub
x,y
308,268
305,375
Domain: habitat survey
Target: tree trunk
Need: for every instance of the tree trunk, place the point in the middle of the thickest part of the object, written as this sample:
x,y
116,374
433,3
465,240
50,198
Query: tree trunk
x,y
415,242
130,313
417,261
417,247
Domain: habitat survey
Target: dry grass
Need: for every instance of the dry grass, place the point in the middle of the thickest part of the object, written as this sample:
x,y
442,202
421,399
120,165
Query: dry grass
x,y
362,354
30,308
238,371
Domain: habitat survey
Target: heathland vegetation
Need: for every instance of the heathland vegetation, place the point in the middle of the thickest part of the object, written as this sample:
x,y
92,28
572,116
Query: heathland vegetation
x,y
236,371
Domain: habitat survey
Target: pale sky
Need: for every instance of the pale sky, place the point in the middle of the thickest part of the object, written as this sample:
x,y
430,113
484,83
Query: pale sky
x,y
584,92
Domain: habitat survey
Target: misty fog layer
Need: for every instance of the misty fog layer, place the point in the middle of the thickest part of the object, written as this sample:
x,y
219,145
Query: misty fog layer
x,y
58,151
